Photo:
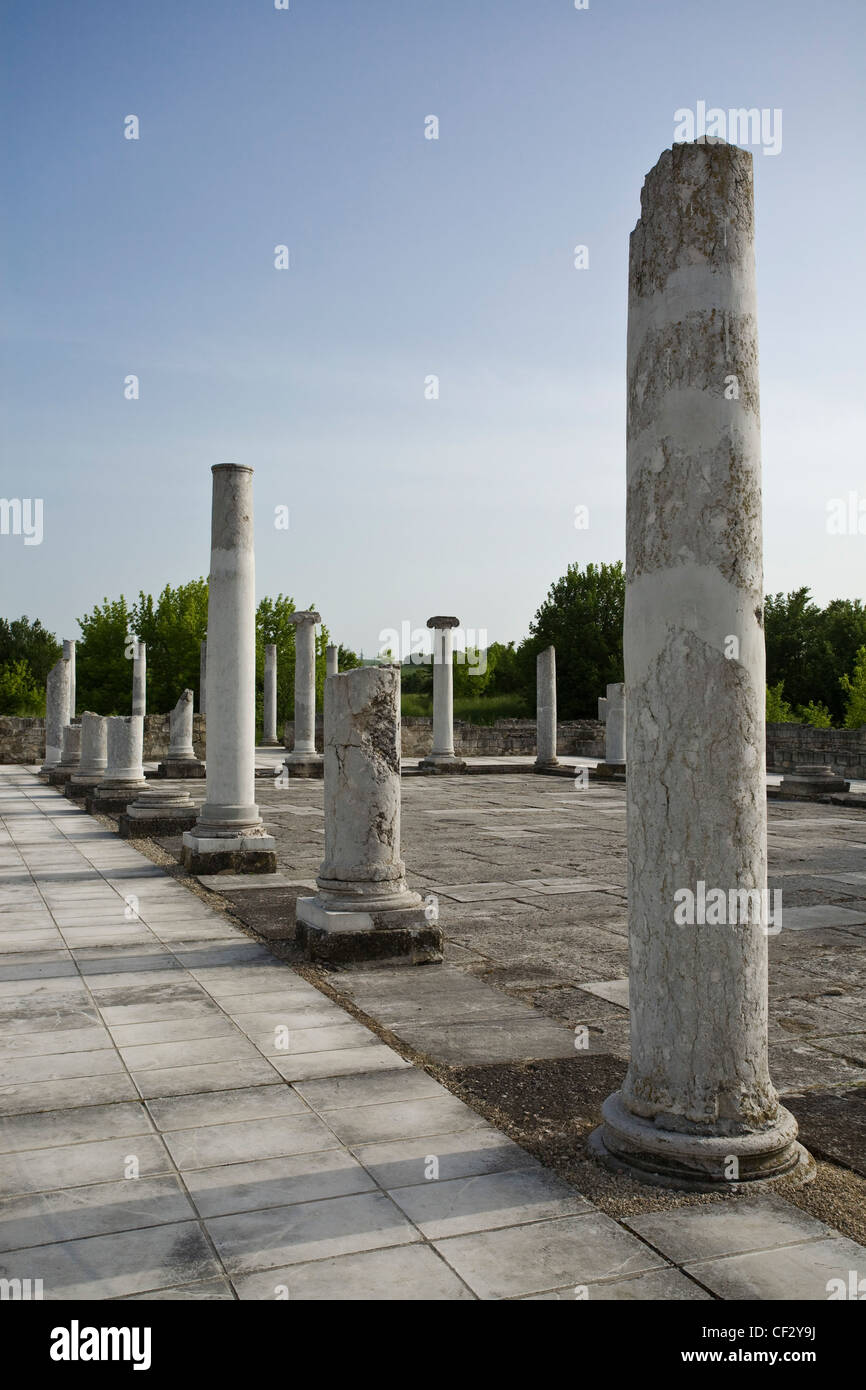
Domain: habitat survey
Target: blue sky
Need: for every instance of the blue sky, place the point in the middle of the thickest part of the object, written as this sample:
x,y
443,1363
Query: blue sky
x,y
408,257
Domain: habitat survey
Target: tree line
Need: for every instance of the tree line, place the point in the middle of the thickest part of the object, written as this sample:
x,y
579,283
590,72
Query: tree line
x,y
816,657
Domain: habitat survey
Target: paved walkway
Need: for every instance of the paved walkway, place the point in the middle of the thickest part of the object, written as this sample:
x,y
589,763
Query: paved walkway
x,y
182,1116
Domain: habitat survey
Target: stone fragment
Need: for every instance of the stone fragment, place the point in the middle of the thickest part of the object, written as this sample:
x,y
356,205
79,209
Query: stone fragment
x,y
94,756
181,760
123,778
545,676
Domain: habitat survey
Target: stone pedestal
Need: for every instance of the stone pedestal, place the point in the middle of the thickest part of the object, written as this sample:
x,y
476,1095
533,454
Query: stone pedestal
x,y
202,678
697,1108
229,833
614,732
139,679
56,715
812,780
181,760
158,811
124,776
363,910
304,761
332,660
69,655
269,708
442,757
94,756
70,755
545,677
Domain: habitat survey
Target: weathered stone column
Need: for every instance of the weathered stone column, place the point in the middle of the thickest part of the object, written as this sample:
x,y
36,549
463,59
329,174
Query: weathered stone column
x,y
614,732
304,761
363,909
56,713
545,719
139,679
70,754
332,660
124,775
441,757
69,655
269,709
697,1107
202,678
229,833
94,756
181,760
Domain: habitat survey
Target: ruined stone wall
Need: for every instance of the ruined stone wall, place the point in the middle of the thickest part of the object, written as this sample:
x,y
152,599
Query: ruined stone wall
x,y
23,740
790,745
505,738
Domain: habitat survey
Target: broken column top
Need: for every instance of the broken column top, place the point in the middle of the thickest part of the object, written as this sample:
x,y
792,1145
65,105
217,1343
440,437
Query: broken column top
x,y
305,615
443,622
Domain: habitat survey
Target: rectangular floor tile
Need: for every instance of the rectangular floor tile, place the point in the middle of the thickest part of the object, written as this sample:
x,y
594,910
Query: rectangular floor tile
x,y
248,1140
51,1217
276,1182
441,1209
399,1274
794,1272
104,1267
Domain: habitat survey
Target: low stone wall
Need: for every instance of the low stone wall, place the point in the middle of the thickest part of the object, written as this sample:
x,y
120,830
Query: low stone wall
x,y
505,738
790,745
23,740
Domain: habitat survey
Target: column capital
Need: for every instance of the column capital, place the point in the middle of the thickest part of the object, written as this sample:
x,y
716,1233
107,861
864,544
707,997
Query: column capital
x,y
303,616
443,622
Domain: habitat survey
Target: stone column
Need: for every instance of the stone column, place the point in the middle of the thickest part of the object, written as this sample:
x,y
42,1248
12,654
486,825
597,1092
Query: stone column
x,y
697,1107
69,655
304,761
441,757
332,659
269,721
545,678
363,909
124,774
94,755
229,833
202,678
139,679
181,760
70,754
56,713
614,732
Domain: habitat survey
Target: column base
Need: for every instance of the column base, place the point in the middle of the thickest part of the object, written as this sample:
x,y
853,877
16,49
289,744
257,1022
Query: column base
x,y
59,776
349,936
242,852
442,763
270,743
304,765
608,771
113,801
812,781
643,1151
178,769
79,788
158,813
542,765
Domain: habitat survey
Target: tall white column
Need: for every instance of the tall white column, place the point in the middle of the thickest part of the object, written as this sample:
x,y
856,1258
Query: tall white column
x,y
202,678
229,832
441,757
363,909
269,720
304,761
139,679
697,1107
69,655
332,659
545,678
56,712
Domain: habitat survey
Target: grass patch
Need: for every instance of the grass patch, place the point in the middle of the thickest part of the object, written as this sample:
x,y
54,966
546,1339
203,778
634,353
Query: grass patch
x,y
474,709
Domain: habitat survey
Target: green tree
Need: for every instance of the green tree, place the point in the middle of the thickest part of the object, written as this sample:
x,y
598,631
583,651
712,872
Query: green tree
x,y
854,687
779,711
21,640
103,670
809,649
19,692
173,628
582,617
815,714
